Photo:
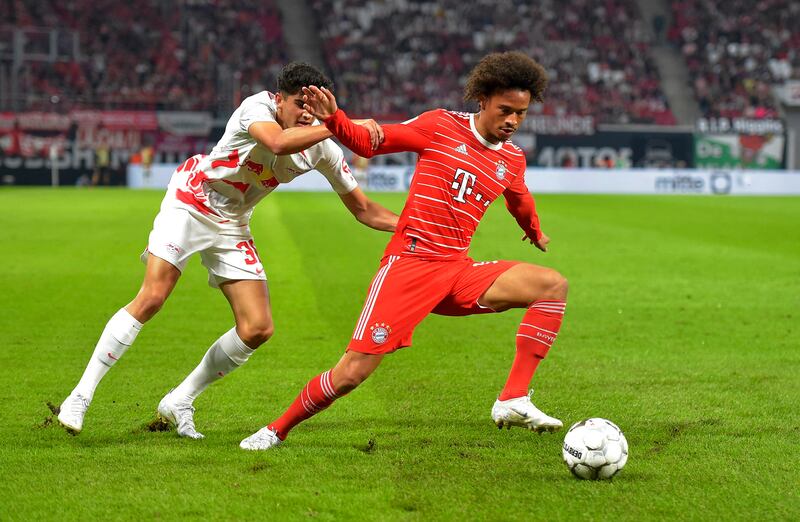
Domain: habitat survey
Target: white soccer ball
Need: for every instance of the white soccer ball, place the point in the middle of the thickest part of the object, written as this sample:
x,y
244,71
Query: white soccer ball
x,y
595,449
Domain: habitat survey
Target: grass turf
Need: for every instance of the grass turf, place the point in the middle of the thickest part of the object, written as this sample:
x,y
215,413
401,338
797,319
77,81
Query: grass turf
x,y
682,327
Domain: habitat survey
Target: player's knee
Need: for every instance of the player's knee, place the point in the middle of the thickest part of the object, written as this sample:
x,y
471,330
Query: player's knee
x,y
147,304
346,386
255,334
349,380
556,286
561,286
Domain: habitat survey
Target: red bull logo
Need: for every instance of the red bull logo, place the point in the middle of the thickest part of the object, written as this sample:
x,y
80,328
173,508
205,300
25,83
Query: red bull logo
x,y
270,183
254,167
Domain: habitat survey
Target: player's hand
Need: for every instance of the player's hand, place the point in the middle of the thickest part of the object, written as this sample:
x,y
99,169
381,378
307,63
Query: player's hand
x,y
321,103
541,244
375,131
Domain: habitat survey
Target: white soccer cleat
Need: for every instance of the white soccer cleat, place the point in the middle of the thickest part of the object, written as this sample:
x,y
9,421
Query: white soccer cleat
x,y
263,439
180,415
72,412
521,412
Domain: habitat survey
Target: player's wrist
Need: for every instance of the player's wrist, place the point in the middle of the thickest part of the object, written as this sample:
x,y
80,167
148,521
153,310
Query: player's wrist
x,y
335,116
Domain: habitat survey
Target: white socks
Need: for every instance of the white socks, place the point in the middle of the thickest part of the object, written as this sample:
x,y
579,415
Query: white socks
x,y
119,333
225,355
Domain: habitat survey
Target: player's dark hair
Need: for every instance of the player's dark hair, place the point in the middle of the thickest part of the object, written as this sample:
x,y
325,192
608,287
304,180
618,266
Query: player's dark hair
x,y
502,71
296,75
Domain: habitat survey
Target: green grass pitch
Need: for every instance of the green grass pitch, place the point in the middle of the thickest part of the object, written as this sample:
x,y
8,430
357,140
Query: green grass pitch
x,y
683,326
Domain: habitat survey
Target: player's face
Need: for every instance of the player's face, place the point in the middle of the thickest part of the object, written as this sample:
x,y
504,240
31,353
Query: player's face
x,y
290,111
502,113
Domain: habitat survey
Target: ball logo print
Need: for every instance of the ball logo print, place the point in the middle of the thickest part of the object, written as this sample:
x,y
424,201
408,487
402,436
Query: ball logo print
x,y
595,449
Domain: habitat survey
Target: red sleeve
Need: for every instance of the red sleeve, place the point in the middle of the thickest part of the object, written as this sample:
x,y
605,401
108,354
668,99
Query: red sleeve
x,y
520,204
411,136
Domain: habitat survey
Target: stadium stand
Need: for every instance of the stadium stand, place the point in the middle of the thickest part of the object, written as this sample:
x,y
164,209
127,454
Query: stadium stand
x,y
397,58
188,55
596,53
735,50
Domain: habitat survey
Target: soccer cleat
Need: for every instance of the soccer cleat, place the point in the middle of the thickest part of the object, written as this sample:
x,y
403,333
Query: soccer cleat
x,y
72,411
180,415
263,439
521,412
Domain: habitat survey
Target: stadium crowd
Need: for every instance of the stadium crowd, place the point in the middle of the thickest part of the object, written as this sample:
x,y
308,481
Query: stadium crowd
x,y
403,57
151,54
735,50
392,59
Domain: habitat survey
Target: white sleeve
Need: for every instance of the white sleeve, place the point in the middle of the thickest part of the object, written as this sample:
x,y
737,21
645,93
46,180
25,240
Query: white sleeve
x,y
253,111
334,167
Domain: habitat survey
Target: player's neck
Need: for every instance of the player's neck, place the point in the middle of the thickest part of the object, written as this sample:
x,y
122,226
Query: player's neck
x,y
483,131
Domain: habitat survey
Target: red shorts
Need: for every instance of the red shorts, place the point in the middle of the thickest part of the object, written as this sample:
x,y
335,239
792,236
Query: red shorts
x,y
406,289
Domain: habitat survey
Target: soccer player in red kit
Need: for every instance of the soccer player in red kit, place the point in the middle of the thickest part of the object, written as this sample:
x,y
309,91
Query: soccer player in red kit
x,y
466,161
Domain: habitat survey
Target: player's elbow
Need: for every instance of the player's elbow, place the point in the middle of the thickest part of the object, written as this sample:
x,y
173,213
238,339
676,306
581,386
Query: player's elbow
x,y
378,221
279,145
360,211
365,218
279,148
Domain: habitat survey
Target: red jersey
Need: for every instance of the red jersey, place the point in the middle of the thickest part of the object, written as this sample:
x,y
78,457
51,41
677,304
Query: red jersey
x,y
458,175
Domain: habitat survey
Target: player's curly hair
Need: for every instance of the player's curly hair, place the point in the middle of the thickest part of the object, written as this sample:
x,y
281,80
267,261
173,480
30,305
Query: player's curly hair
x,y
296,75
509,70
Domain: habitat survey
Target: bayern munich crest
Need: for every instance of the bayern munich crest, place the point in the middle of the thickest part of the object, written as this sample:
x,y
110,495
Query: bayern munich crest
x,y
380,332
500,172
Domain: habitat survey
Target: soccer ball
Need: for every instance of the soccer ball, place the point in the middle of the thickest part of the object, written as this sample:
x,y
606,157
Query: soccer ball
x,y
595,449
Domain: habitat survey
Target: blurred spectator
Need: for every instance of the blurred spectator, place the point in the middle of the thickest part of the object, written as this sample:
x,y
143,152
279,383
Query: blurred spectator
x,y
102,164
146,155
402,57
389,58
735,49
151,54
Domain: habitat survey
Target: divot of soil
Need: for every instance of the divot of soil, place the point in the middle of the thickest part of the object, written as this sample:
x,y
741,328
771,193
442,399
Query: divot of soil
x,y
159,425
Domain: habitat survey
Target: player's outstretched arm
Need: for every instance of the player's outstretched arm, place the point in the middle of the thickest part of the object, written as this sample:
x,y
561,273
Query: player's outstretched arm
x,y
295,139
396,137
368,212
287,141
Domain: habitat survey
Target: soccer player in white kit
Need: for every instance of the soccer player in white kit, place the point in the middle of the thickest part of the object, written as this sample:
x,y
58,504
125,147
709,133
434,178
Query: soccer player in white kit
x,y
270,139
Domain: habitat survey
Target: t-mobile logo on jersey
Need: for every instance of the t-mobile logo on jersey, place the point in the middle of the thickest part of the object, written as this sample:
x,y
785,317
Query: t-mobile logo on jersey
x,y
463,183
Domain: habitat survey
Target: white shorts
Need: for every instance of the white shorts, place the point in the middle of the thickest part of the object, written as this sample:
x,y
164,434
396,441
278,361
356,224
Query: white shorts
x,y
227,251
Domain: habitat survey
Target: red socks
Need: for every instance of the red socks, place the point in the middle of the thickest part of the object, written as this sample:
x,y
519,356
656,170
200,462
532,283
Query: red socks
x,y
536,334
317,395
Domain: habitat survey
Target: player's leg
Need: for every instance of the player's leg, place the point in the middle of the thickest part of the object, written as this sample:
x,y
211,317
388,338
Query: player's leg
x,y
118,335
402,293
235,268
249,300
543,292
319,393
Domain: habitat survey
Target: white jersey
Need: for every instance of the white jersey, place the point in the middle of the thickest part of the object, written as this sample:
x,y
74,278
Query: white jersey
x,y
239,171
